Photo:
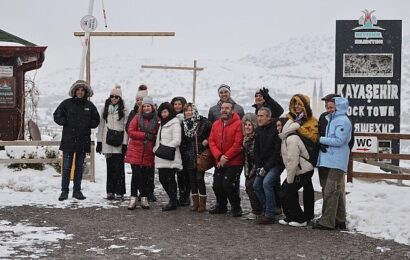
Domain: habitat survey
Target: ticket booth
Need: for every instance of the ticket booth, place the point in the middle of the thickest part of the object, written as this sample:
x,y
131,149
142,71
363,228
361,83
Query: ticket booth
x,y
17,56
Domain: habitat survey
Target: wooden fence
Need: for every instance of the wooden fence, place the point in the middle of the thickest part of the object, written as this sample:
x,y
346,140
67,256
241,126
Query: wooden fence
x,y
90,158
398,173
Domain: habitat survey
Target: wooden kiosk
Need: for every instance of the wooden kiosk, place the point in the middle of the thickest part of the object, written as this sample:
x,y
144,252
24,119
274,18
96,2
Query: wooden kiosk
x,y
17,56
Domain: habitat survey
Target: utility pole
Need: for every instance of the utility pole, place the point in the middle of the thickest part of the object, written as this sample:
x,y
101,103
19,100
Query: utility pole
x,y
111,34
194,69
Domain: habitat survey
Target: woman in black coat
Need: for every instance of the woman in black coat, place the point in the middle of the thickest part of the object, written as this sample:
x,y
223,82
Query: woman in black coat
x,y
195,133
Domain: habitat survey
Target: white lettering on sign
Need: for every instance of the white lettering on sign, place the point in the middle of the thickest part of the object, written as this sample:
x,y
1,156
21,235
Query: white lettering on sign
x,y
374,127
373,111
365,144
369,91
6,71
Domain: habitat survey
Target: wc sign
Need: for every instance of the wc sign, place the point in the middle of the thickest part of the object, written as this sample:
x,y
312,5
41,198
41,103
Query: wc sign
x,y
365,144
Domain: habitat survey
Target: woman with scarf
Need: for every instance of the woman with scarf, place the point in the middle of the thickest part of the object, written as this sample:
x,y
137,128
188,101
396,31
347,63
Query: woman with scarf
x,y
196,130
142,132
114,118
169,136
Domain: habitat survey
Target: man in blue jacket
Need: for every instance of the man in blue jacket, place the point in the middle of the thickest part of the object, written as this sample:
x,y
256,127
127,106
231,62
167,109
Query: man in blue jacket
x,y
334,161
78,116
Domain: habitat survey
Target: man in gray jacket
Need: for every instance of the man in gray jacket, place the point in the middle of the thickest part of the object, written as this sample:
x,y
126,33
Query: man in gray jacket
x,y
224,92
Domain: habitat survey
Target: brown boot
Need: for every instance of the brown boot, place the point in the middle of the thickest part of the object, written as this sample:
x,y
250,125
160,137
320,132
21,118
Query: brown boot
x,y
202,203
195,202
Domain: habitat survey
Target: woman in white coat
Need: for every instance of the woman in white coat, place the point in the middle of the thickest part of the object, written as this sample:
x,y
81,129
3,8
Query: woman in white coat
x,y
114,117
169,134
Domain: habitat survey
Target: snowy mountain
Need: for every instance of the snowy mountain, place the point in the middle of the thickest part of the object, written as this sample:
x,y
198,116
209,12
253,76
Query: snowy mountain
x,y
291,67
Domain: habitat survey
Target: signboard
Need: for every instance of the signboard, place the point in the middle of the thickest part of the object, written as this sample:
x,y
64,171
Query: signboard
x,y
88,23
368,73
6,71
7,92
365,144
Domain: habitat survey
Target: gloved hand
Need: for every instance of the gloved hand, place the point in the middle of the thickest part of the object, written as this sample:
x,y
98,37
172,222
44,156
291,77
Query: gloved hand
x,y
98,149
124,149
323,148
264,92
261,172
149,136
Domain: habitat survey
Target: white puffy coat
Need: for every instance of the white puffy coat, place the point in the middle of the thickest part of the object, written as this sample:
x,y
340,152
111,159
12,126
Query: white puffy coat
x,y
114,124
294,151
170,136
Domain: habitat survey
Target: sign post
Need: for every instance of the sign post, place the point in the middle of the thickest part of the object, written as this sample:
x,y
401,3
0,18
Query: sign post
x,y
368,73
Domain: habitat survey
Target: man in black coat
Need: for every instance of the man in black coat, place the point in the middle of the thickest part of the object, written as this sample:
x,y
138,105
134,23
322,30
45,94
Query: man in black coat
x,y
78,116
263,99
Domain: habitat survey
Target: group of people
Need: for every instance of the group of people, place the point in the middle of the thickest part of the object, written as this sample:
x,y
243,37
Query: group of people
x,y
169,138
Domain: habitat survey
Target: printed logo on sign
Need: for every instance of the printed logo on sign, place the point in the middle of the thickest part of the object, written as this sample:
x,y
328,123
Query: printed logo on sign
x,y
368,32
365,144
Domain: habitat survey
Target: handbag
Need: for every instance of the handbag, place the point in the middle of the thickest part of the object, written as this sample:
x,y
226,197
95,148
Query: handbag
x,y
204,160
165,152
114,137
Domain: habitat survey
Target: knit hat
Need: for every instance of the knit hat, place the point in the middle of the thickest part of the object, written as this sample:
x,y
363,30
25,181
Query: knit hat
x,y
224,87
142,91
116,91
148,100
81,84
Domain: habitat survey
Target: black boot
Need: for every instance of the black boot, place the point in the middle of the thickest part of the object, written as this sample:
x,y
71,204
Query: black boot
x,y
152,197
63,196
184,199
78,195
172,205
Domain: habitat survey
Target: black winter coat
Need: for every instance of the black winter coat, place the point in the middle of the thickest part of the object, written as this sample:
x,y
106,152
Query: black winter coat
x,y
188,144
131,116
77,116
267,147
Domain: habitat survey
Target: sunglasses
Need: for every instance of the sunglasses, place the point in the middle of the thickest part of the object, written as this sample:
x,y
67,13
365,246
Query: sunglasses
x,y
114,96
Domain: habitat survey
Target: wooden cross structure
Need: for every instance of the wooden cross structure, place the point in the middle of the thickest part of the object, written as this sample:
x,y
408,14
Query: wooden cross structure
x,y
194,69
111,34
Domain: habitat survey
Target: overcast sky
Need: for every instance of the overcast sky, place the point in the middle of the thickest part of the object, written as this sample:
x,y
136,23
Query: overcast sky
x,y
204,29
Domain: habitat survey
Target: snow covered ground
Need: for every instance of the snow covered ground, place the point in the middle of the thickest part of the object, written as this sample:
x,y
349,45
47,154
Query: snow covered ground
x,y
376,209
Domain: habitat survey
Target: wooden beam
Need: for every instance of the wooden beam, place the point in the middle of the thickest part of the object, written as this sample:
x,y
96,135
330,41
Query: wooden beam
x,y
373,175
381,156
171,67
149,34
385,136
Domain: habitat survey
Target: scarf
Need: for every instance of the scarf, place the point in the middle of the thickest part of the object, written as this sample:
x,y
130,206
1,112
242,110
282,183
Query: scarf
x,y
191,124
112,108
152,123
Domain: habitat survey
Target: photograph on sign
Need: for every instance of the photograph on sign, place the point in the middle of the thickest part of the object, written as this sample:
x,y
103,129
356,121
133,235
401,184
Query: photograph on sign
x,y
385,147
361,65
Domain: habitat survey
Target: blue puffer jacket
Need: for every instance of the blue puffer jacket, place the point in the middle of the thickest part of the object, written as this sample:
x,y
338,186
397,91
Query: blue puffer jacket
x,y
338,134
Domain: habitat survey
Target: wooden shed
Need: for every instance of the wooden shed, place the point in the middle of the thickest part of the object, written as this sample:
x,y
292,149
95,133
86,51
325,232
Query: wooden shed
x,y
17,56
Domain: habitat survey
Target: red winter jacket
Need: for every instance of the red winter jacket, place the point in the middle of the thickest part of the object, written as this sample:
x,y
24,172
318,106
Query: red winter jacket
x,y
139,150
227,140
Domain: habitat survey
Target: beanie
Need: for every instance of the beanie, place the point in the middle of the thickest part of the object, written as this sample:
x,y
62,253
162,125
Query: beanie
x,y
224,87
148,100
116,91
142,91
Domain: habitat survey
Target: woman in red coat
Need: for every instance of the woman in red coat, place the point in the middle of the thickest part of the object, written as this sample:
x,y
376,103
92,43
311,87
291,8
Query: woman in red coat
x,y
142,133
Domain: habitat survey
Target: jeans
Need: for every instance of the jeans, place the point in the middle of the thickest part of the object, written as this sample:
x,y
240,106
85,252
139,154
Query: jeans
x,y
264,188
78,173
167,179
197,182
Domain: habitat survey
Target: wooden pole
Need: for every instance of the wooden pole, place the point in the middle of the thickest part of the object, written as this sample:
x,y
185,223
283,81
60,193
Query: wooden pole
x,y
88,63
194,84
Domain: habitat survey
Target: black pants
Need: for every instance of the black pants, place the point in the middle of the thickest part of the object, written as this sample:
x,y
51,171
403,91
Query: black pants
x,y
224,186
141,180
184,184
291,205
197,182
115,174
167,179
253,199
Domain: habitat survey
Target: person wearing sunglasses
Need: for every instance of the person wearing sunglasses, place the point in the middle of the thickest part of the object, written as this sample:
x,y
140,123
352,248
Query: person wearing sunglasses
x,y
78,116
113,118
